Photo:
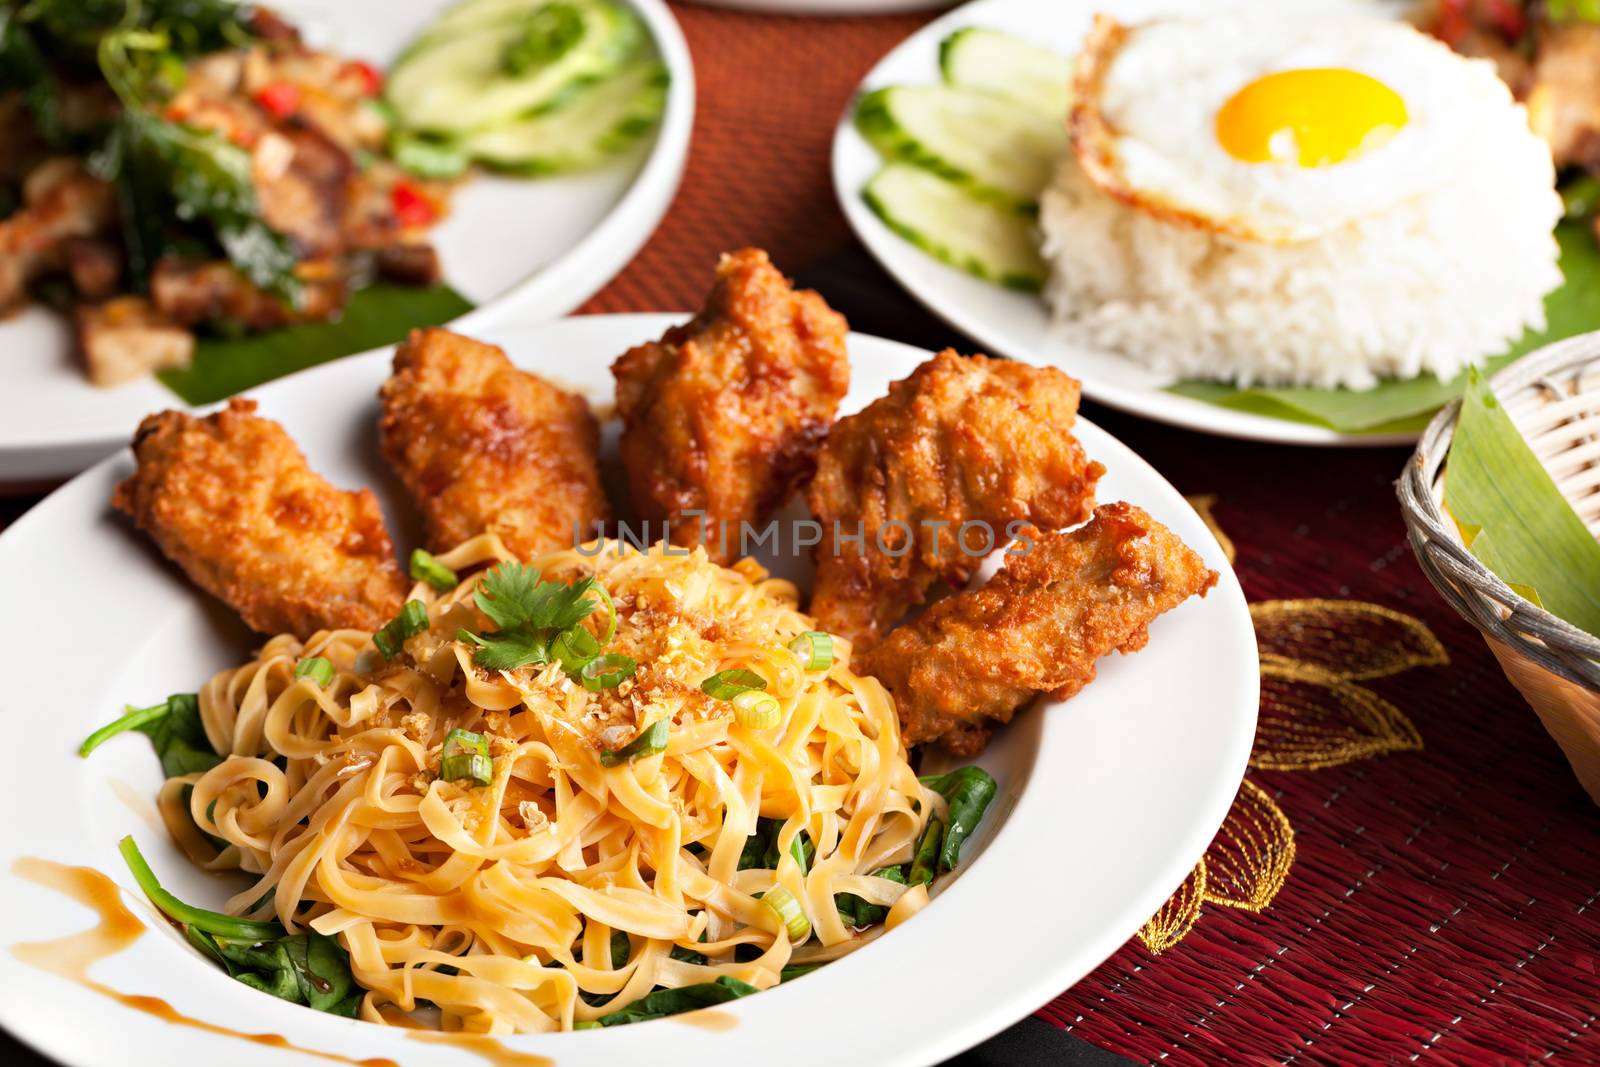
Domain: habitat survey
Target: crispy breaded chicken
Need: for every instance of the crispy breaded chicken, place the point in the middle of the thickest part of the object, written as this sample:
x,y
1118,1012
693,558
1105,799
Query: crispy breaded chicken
x,y
980,441
723,415
1037,626
482,446
230,499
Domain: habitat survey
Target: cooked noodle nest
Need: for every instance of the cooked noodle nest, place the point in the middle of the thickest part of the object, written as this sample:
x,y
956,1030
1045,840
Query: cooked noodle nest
x,y
498,904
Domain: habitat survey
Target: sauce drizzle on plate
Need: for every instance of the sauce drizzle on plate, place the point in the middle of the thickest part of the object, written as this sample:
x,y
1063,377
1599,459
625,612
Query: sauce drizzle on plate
x,y
73,955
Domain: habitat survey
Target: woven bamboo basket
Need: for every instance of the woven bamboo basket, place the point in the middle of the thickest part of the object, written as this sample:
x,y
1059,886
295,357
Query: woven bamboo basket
x,y
1553,396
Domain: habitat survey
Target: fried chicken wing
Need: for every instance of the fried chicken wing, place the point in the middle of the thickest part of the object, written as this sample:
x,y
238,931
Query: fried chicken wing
x,y
231,500
976,441
723,415
1037,626
482,446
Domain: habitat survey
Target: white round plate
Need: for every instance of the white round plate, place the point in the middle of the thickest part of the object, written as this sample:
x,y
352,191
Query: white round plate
x,y
1017,324
535,248
1105,803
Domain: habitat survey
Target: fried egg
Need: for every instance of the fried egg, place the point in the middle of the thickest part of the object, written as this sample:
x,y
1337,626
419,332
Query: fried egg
x,y
1273,127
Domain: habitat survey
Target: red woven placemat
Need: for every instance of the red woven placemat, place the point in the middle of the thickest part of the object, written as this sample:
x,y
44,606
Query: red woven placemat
x,y
771,89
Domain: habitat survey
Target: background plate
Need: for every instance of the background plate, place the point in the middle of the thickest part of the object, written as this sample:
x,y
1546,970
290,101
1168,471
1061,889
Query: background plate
x,y
1105,803
1016,324
535,248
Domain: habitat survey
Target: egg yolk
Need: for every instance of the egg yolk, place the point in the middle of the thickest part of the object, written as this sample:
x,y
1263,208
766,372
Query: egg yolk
x,y
1311,117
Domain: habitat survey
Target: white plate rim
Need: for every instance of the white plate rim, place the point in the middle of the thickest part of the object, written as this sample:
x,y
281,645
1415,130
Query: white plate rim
x,y
895,255
549,292
895,972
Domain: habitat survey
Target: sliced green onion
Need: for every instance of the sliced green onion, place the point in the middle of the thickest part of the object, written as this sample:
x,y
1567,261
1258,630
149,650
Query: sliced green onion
x,y
475,766
587,1024
758,711
788,911
412,620
132,719
458,741
649,743
573,648
316,668
229,926
606,672
725,685
426,568
815,650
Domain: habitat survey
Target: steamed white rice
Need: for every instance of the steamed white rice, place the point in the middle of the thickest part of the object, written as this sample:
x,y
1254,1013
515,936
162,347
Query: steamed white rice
x,y
1429,285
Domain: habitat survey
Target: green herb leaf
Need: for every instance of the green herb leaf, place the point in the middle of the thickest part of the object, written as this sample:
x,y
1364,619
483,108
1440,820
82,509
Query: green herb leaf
x,y
664,1002
513,595
507,650
1526,532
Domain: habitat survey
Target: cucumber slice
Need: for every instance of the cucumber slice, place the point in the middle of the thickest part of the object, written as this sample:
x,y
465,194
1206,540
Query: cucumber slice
x,y
598,121
989,61
990,147
467,16
461,82
981,238
474,13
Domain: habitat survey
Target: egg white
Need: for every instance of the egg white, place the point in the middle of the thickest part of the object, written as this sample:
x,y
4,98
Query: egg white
x,y
1152,99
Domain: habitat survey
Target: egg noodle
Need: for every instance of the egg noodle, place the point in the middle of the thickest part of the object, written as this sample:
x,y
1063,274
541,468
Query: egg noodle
x,y
498,904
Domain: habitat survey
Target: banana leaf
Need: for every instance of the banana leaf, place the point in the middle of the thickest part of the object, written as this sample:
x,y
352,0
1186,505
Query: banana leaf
x,y
378,315
1512,516
1407,405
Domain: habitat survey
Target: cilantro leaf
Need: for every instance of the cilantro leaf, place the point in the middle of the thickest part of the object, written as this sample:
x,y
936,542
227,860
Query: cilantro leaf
x,y
508,649
514,596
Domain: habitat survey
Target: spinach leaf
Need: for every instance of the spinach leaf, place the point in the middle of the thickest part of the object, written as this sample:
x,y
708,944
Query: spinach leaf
x,y
758,844
925,864
664,1002
855,911
687,956
761,848
180,739
796,970
621,948
306,968
968,792
174,728
800,848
